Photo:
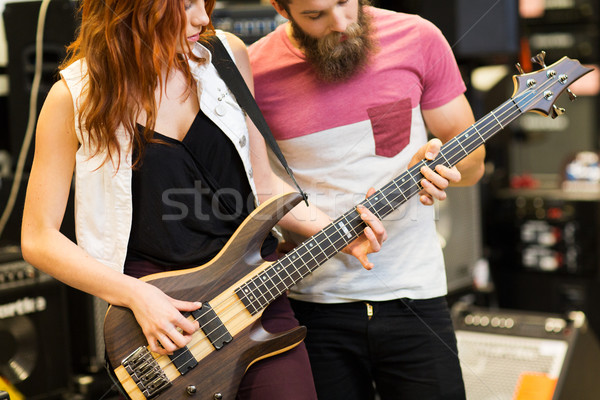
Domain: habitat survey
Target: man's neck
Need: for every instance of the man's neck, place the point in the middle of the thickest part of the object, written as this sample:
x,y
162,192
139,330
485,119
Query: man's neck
x,y
290,34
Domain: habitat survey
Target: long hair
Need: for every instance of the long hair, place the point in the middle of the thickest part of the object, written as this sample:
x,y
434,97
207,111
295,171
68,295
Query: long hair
x,y
128,46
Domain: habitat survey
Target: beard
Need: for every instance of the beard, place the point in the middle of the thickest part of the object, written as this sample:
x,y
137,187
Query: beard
x,y
338,56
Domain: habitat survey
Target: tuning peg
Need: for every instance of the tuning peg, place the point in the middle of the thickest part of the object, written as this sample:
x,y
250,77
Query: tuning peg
x,y
572,95
556,111
540,58
519,68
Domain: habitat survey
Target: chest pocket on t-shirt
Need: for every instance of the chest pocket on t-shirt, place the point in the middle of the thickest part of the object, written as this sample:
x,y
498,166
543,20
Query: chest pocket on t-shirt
x,y
391,126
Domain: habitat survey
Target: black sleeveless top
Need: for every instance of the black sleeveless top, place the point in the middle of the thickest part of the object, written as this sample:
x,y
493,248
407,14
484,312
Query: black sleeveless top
x,y
189,197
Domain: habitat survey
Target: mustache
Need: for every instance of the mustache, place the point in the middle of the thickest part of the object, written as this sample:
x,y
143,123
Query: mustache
x,y
336,43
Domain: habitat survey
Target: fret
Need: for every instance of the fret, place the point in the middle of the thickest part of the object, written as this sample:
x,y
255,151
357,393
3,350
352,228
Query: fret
x,y
278,283
318,256
304,260
407,188
287,280
371,203
256,298
265,285
478,133
517,105
343,220
470,145
403,186
344,229
294,257
461,146
443,155
257,295
384,206
243,292
328,247
494,115
332,231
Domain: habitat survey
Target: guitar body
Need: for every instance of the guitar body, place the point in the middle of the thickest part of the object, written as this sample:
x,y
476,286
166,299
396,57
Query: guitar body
x,y
218,372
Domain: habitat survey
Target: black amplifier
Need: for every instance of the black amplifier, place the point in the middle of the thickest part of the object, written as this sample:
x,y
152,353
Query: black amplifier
x,y
34,340
560,12
552,231
249,22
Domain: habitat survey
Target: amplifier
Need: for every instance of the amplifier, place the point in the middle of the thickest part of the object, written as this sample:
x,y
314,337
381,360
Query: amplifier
x,y
249,22
549,231
34,350
509,354
580,41
559,12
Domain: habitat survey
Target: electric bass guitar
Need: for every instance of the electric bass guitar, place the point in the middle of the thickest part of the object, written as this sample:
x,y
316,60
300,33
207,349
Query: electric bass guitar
x,y
237,285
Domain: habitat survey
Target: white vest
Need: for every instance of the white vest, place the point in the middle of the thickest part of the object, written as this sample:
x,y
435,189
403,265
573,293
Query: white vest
x,y
103,206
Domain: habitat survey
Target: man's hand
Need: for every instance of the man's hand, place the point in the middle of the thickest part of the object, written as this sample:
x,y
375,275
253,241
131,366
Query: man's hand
x,y
370,240
436,181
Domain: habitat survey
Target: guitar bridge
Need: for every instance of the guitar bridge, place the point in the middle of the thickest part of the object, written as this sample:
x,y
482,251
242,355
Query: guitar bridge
x,y
146,373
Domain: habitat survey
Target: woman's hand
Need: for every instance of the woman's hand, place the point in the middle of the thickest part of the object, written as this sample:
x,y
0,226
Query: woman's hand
x,y
160,318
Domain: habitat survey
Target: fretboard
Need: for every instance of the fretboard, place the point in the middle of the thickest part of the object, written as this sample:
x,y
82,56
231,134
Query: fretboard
x,y
261,290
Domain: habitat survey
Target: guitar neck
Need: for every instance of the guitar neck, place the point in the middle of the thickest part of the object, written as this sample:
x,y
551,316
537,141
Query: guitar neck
x,y
259,291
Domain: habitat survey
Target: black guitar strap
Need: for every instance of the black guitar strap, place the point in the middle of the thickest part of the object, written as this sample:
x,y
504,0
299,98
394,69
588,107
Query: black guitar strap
x,y
235,82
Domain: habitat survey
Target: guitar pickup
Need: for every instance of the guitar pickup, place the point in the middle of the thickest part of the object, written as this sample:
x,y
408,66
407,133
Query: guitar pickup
x,y
212,326
183,359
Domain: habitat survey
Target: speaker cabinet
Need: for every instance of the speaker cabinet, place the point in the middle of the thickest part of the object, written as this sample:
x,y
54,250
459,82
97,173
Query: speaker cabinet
x,y
459,231
507,354
86,324
20,22
34,350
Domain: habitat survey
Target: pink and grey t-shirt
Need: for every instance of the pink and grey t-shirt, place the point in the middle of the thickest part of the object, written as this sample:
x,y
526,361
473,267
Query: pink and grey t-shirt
x,y
342,138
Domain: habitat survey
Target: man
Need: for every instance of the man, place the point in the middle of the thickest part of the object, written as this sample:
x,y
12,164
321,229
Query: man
x,y
350,92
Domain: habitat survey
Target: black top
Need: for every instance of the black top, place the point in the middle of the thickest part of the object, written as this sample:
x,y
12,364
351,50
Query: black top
x,y
189,197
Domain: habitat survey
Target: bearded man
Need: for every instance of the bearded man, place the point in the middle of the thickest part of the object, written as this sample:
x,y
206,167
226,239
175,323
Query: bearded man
x,y
350,92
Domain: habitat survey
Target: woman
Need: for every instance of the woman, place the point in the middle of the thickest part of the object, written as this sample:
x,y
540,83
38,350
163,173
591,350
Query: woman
x,y
155,139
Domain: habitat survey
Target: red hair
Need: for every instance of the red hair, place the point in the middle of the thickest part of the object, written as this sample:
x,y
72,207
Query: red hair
x,y
127,45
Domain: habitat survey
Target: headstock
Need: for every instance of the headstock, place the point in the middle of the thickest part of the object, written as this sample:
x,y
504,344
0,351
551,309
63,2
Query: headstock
x,y
537,91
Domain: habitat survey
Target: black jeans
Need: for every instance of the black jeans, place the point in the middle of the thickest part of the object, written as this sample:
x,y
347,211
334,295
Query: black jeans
x,y
405,350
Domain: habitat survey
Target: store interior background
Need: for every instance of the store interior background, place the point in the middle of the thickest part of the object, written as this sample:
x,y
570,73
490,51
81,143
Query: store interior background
x,y
522,246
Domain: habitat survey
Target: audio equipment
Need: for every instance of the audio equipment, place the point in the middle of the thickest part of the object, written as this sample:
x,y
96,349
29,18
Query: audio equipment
x,y
249,22
20,22
555,12
543,251
86,321
34,351
505,354
459,230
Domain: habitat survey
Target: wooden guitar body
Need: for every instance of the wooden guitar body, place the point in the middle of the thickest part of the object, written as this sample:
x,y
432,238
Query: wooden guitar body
x,y
220,370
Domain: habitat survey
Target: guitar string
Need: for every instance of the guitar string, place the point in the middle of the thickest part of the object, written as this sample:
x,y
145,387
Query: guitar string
x,y
451,146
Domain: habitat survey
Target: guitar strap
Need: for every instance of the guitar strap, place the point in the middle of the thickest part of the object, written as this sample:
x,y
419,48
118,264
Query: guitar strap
x,y
235,82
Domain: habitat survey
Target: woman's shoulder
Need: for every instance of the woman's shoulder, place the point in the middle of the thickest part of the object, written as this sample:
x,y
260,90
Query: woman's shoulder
x,y
59,94
238,47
